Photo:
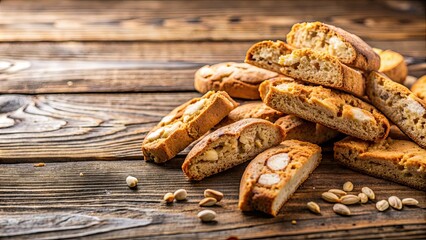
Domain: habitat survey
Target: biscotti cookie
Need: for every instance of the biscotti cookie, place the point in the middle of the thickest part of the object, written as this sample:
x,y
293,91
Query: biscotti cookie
x,y
307,65
331,108
185,124
419,88
229,146
253,110
239,80
392,64
396,160
347,47
299,129
274,175
400,105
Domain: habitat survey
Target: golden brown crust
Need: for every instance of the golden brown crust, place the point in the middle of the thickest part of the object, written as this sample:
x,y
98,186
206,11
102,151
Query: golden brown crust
x,y
239,80
396,160
328,107
270,60
392,64
400,105
303,159
162,149
419,88
254,110
365,58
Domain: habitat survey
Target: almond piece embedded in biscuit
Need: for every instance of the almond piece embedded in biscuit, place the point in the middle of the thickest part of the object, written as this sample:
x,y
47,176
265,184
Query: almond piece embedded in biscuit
x,y
269,179
414,106
167,119
278,161
210,155
170,129
361,115
155,135
193,108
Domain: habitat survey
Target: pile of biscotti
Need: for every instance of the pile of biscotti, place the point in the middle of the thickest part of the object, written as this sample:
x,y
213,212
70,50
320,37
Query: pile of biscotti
x,y
321,85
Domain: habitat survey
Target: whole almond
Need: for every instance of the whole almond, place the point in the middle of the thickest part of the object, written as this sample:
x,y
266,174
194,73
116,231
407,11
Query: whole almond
x,y
348,186
330,197
341,209
370,194
410,202
208,202
363,198
338,192
214,194
349,199
382,205
169,197
206,215
314,207
131,181
180,194
395,202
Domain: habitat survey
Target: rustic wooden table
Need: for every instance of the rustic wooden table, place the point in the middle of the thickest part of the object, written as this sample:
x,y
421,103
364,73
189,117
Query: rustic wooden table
x,y
84,81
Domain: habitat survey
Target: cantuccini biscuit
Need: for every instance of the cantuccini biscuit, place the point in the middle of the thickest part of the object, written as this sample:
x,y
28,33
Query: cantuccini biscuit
x,y
299,129
239,80
185,124
400,105
392,64
229,146
396,160
347,47
419,88
307,65
331,108
274,175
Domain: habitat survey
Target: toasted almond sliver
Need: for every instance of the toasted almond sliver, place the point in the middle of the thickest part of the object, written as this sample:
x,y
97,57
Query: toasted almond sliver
x,y
338,192
330,197
208,202
341,209
214,194
348,186
314,207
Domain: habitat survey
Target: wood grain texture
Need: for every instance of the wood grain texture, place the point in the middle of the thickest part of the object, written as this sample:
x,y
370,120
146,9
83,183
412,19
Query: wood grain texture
x,y
201,20
99,204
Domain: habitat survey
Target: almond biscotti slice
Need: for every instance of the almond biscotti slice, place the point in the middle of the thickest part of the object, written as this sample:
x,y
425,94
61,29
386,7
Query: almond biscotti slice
x,y
400,105
331,108
185,124
229,146
307,65
397,160
392,64
347,47
240,80
274,175
419,88
299,129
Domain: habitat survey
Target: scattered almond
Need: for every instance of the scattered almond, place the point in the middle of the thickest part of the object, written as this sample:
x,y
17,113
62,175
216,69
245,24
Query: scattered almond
x,y
39,164
169,197
131,181
314,207
214,194
180,194
338,192
395,202
341,209
349,199
410,202
363,198
81,174
348,186
294,222
382,205
208,202
206,215
330,197
370,194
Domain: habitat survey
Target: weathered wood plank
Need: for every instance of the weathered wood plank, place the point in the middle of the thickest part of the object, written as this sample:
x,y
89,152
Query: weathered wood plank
x,y
59,200
201,20
132,67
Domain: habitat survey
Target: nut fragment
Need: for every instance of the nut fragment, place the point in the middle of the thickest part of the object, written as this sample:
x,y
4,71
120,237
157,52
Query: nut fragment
x,y
341,209
410,201
269,179
330,197
210,155
348,186
370,194
395,202
206,215
278,161
214,194
338,192
314,207
169,197
382,205
363,198
180,194
349,199
39,164
208,202
131,181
